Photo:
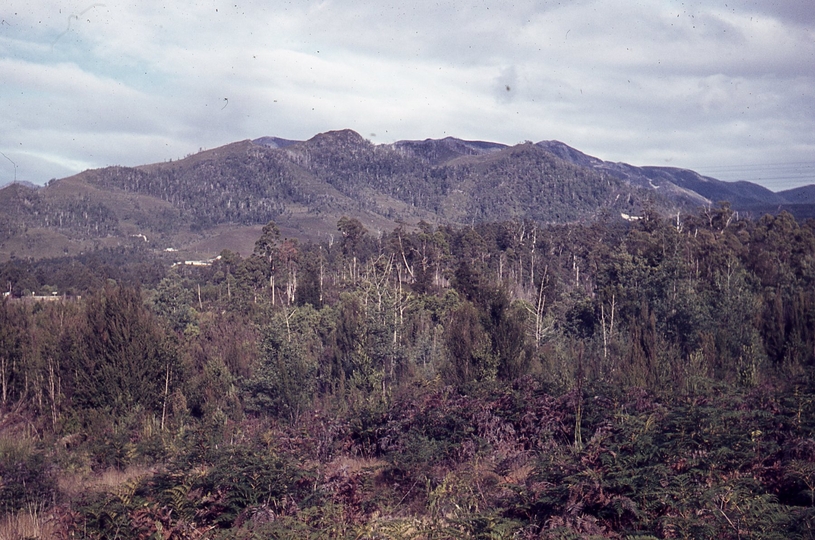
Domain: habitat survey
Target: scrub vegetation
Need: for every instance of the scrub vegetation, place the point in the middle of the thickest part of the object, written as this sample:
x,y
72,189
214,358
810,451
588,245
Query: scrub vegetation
x,y
647,379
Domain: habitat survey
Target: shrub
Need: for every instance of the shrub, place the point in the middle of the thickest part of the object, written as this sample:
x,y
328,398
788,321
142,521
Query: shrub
x,y
25,477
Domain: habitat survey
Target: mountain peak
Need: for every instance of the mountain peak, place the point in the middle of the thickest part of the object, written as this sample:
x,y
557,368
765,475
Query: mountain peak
x,y
564,151
437,151
340,138
23,183
274,142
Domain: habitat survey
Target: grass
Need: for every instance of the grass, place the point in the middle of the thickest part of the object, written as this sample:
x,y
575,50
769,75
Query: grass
x,y
26,524
348,464
72,485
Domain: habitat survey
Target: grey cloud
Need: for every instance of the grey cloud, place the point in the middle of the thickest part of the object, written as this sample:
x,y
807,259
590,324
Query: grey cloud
x,y
690,82
797,12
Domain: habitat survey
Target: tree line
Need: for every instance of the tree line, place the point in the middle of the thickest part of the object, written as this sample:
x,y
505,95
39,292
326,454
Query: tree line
x,y
654,304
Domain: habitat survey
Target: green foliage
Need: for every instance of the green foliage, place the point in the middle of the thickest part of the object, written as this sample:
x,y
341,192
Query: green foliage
x,y
499,380
121,356
26,477
172,301
284,383
268,243
243,477
353,234
12,336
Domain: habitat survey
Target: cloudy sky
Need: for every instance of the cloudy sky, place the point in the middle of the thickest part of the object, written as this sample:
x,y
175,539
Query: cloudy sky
x,y
726,88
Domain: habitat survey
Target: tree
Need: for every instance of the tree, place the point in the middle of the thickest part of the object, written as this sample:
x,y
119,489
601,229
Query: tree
x,y
268,247
509,338
285,382
310,286
121,359
12,323
469,346
353,232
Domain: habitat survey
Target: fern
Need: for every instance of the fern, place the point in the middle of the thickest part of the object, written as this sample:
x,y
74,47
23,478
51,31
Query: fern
x,y
179,503
127,491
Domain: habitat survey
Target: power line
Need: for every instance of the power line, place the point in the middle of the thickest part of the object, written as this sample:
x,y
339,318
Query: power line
x,y
792,167
802,177
780,175
15,165
786,164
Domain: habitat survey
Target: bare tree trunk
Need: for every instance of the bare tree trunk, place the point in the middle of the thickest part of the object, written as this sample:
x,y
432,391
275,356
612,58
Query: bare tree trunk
x,y
578,416
611,328
4,377
404,259
539,309
291,286
532,257
576,268
288,326
166,393
52,392
607,334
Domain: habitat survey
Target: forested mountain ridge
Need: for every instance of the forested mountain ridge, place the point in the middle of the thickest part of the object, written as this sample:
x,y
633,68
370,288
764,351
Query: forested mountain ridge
x,y
219,198
684,184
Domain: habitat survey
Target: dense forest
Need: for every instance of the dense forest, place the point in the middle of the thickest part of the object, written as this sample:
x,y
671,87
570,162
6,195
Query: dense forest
x,y
646,379
245,183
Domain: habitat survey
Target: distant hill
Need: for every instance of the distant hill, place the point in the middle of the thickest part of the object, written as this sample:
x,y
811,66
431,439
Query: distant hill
x,y
690,186
274,142
220,198
20,183
799,195
438,151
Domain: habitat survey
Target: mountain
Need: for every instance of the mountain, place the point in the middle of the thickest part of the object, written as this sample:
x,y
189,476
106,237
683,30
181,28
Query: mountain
x,y
438,151
682,184
220,198
799,195
19,182
458,181
274,142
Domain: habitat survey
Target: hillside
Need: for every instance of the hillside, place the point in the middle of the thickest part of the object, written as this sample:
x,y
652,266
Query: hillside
x,y
800,195
693,188
220,198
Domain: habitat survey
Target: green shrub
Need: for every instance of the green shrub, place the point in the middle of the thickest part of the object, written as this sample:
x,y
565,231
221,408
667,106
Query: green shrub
x,y
25,477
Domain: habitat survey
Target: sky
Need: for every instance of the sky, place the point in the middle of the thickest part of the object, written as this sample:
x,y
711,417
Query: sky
x,y
726,88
